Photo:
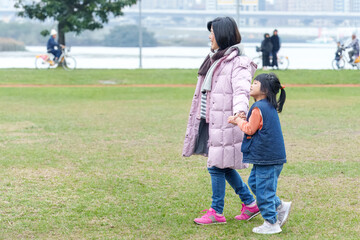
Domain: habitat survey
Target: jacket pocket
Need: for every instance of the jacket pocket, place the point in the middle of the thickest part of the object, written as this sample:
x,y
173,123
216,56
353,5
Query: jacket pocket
x,y
246,144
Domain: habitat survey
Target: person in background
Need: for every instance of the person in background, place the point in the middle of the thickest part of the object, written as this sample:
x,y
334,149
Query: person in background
x,y
266,49
275,40
338,54
53,47
222,90
354,53
263,146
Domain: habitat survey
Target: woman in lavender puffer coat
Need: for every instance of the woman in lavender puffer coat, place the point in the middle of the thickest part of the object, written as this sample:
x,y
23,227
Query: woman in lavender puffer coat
x,y
222,90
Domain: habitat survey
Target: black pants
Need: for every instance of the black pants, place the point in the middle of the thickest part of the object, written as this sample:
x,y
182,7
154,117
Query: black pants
x,y
201,146
266,59
351,55
274,59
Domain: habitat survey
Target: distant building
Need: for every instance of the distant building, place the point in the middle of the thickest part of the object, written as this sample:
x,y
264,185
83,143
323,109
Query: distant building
x,y
355,6
262,5
173,4
280,5
211,4
339,5
317,5
245,5
310,6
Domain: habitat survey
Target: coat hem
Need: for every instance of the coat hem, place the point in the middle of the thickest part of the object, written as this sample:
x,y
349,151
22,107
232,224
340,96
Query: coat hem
x,y
262,162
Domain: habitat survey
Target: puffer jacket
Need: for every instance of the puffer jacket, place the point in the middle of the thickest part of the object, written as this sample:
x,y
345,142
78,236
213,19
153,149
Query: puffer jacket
x,y
229,95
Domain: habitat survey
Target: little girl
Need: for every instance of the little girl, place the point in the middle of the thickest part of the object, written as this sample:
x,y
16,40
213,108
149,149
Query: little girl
x,y
263,146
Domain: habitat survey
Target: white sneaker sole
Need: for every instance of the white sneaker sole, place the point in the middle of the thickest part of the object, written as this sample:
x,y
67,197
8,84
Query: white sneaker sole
x,y
286,216
253,216
274,232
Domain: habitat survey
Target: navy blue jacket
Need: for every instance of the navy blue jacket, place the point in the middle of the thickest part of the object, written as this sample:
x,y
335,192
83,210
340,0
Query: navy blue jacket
x,y
266,146
266,46
275,40
51,44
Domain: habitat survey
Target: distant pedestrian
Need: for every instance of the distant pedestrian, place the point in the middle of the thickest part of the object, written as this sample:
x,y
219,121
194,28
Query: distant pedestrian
x,y
266,49
338,54
275,40
263,146
354,53
222,90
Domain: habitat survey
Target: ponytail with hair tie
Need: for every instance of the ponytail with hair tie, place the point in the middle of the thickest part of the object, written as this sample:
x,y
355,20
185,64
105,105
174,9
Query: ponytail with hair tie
x,y
271,85
281,101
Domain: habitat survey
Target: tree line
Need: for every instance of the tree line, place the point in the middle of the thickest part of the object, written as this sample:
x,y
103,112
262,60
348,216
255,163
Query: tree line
x,y
77,17
117,36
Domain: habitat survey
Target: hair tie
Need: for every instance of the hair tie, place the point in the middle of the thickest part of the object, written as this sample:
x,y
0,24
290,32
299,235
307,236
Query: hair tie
x,y
282,86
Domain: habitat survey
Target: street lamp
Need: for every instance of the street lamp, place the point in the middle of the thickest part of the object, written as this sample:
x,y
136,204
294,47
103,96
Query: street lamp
x,y
140,36
238,12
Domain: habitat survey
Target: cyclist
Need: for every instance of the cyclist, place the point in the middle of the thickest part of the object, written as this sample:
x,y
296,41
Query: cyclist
x,y
355,48
53,47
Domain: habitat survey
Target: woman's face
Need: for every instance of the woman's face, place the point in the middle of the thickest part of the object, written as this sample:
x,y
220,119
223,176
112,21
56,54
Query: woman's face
x,y
214,44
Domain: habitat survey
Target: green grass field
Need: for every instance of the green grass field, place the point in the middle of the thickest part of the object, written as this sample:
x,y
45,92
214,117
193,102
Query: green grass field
x,y
160,76
105,163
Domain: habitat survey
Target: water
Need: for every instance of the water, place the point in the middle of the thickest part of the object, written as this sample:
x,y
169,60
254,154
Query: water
x,y
301,56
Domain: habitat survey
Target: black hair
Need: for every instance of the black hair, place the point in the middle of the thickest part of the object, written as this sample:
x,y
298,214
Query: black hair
x,y
226,31
270,85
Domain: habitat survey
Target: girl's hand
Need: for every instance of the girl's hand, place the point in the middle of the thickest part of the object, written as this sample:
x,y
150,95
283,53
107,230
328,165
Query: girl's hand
x,y
236,118
232,119
242,115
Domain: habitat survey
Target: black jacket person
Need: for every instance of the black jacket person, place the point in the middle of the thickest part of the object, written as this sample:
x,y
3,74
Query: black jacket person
x,y
266,49
275,40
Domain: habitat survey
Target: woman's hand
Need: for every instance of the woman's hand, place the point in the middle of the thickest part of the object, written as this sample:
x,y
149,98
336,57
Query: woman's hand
x,y
237,118
242,115
232,119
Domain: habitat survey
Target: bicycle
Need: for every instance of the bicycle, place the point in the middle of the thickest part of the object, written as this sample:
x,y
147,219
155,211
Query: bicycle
x,y
341,60
283,61
44,61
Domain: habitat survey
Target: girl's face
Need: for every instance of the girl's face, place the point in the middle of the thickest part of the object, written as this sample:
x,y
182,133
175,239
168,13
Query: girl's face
x,y
214,44
255,90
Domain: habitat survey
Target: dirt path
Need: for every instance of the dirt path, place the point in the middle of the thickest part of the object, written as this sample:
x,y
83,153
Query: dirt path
x,y
153,85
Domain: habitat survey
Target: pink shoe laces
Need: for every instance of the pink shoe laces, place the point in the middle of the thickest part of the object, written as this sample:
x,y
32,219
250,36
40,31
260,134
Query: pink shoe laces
x,y
207,212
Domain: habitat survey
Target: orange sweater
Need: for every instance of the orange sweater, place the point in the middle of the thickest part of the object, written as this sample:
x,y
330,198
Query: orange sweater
x,y
255,122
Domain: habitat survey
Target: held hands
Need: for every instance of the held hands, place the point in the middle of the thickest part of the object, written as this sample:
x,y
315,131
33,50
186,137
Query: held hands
x,y
242,115
237,118
232,119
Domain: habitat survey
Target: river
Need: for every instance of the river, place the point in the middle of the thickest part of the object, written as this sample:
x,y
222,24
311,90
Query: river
x,y
301,56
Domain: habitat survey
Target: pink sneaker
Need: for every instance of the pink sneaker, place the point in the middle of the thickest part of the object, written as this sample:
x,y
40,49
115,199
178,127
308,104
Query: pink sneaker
x,y
210,217
248,213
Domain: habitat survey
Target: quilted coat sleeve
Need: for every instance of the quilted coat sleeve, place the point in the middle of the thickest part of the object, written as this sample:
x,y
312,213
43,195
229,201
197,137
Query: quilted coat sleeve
x,y
242,75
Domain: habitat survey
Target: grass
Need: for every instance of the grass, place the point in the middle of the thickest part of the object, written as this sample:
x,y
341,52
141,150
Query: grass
x,y
161,76
105,163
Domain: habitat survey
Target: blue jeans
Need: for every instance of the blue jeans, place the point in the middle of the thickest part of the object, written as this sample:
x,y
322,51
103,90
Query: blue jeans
x,y
56,53
218,177
263,183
